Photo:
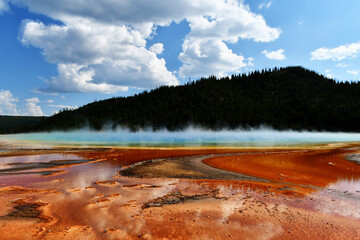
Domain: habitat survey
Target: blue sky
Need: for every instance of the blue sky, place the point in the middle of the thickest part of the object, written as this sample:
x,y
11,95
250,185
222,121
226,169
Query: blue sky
x,y
57,54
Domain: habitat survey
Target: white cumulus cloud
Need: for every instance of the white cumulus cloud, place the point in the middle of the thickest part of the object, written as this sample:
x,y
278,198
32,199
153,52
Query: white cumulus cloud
x,y
33,100
3,6
209,57
100,46
275,55
353,72
157,48
342,65
205,50
233,21
61,107
265,5
336,54
78,78
108,60
329,74
32,109
8,103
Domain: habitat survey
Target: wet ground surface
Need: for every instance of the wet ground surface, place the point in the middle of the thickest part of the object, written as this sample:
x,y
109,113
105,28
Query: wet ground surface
x,y
289,193
185,167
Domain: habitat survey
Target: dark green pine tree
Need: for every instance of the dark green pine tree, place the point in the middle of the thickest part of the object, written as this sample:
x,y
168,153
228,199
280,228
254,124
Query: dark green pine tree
x,y
282,98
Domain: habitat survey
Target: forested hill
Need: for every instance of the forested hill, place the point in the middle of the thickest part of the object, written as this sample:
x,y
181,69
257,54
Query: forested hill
x,y
282,98
14,124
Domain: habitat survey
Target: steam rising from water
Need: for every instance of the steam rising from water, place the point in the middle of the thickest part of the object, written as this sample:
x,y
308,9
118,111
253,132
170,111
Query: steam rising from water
x,y
188,137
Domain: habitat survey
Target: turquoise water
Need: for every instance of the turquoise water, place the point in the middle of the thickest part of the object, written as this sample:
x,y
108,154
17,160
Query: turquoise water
x,y
190,137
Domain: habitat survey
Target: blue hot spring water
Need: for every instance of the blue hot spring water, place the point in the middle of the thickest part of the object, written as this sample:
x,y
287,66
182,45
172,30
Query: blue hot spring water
x,y
189,137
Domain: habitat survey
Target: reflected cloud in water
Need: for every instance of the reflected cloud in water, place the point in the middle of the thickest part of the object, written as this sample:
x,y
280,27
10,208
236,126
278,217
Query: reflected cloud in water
x,y
340,198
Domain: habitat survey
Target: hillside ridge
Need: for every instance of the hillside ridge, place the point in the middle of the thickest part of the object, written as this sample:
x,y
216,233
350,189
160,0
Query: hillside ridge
x,y
281,98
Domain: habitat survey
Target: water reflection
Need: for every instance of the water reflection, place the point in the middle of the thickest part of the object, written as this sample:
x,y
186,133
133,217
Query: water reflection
x,y
340,198
39,158
351,186
28,169
94,194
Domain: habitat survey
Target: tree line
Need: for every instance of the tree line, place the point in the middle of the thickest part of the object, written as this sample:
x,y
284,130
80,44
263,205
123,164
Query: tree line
x,y
281,98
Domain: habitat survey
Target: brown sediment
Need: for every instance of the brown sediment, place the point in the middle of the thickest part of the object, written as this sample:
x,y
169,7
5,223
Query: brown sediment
x,y
161,203
250,219
103,200
114,195
190,167
177,197
27,210
22,190
106,182
124,157
29,167
313,167
59,180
